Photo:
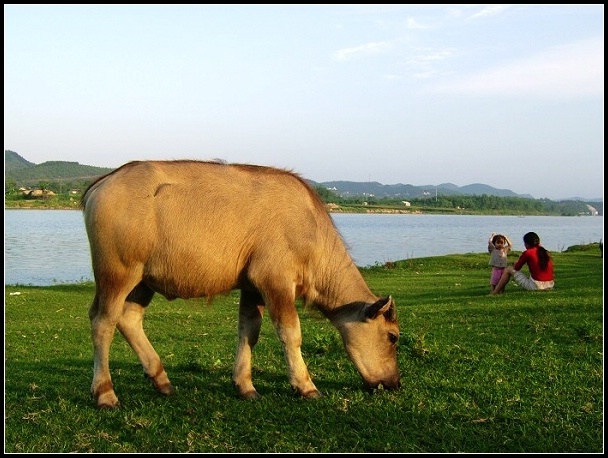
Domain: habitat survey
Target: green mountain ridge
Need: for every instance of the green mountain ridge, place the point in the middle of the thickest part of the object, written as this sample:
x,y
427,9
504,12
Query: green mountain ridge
x,y
22,173
379,190
26,174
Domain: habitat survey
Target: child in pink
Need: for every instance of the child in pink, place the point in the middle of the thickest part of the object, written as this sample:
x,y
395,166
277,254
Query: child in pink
x,y
499,247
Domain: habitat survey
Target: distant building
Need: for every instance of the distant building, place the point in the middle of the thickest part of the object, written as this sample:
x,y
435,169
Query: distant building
x,y
38,193
592,210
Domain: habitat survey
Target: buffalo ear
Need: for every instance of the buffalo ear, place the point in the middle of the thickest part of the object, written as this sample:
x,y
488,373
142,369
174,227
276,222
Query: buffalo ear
x,y
383,306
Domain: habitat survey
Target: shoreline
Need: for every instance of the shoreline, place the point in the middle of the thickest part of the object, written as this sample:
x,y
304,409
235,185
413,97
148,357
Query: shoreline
x,y
330,207
370,211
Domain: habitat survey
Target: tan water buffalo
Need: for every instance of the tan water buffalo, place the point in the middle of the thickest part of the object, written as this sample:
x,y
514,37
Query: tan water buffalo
x,y
189,229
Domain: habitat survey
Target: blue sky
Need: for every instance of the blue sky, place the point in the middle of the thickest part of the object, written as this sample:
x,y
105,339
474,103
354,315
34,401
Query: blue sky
x,y
507,95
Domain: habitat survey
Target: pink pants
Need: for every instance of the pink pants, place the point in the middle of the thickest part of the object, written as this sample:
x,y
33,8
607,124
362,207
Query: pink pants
x,y
496,274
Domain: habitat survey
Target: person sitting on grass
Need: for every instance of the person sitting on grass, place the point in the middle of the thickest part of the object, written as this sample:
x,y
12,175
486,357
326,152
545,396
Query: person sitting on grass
x,y
540,265
499,247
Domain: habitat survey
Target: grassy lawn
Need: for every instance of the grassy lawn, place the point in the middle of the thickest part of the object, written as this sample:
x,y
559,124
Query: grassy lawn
x,y
519,372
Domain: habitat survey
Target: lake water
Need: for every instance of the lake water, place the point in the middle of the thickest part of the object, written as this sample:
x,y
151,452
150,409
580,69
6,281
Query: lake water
x,y
45,247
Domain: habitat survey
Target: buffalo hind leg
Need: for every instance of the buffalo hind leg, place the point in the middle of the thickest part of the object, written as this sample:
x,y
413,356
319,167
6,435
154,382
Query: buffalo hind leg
x,y
104,314
131,327
251,311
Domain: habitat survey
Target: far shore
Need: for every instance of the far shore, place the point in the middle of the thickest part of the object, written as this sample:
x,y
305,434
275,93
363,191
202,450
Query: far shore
x,y
331,208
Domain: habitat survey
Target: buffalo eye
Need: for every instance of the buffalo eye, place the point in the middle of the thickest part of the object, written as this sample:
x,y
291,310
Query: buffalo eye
x,y
393,338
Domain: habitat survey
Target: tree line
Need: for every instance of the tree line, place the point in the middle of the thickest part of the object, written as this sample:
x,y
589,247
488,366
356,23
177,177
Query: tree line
x,y
69,189
473,204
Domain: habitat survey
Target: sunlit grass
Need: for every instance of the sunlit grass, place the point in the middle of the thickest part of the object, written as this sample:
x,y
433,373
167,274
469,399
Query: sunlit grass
x,y
519,372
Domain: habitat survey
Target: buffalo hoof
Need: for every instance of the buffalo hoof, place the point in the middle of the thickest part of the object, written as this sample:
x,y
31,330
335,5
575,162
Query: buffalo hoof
x,y
108,407
161,384
250,395
108,401
314,394
167,390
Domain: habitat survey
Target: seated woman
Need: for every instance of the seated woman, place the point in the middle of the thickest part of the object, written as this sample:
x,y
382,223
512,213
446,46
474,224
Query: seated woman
x,y
540,265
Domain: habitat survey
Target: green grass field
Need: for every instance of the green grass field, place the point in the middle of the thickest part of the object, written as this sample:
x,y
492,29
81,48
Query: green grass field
x,y
518,372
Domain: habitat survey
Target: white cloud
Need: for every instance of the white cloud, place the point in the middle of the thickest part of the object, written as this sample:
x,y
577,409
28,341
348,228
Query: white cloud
x,y
576,69
366,49
412,24
420,65
436,55
490,10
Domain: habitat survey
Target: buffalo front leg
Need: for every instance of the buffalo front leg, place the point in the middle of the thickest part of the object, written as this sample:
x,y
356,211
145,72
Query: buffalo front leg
x,y
251,311
286,323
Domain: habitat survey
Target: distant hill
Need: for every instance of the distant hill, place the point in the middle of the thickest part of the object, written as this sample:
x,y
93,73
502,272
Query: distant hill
x,y
25,173
375,189
477,189
12,161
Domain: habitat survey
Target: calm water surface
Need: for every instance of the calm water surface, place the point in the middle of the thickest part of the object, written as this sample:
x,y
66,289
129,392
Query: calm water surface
x,y
391,237
45,247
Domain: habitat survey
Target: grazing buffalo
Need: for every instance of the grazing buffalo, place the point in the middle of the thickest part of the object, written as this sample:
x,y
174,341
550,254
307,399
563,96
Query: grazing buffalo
x,y
191,229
